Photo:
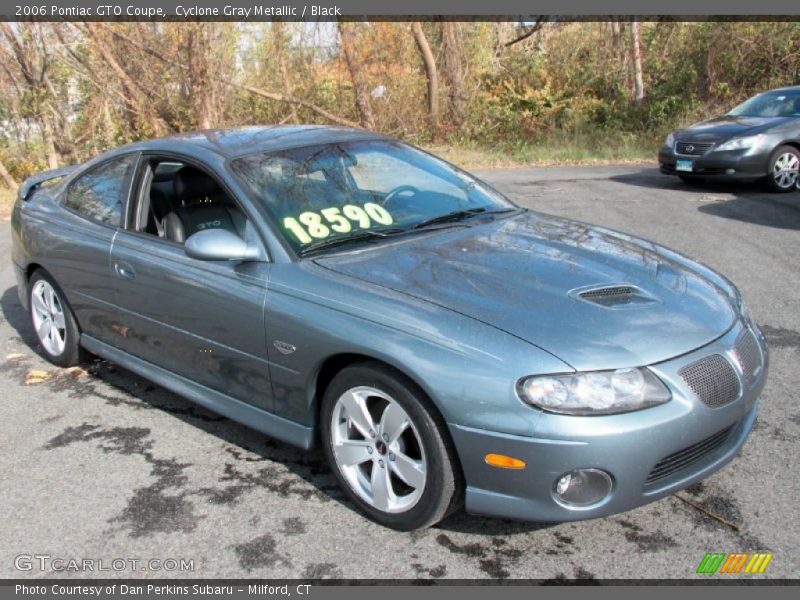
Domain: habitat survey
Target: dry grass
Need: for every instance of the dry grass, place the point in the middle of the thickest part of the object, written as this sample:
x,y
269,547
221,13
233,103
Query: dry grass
x,y
472,157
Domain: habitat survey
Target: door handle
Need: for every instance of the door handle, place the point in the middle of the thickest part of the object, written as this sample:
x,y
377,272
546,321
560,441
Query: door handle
x,y
124,270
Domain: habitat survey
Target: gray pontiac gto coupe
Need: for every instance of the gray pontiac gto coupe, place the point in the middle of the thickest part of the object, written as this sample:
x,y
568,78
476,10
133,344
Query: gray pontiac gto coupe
x,y
444,346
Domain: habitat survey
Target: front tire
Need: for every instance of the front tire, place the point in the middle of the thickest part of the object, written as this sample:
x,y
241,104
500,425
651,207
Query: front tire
x,y
53,321
783,169
389,448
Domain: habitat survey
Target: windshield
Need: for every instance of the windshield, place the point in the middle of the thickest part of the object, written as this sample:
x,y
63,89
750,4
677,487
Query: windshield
x,y
770,104
352,191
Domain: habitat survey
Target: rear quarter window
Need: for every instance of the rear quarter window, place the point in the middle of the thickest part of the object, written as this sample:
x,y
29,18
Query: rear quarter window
x,y
99,194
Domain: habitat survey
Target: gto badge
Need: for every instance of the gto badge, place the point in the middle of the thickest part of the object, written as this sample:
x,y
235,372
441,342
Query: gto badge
x,y
283,347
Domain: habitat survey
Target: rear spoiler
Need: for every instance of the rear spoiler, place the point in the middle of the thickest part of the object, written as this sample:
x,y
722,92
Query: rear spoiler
x,y
34,181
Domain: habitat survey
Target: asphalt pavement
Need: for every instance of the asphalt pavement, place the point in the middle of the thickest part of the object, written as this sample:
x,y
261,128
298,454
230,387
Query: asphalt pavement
x,y
99,464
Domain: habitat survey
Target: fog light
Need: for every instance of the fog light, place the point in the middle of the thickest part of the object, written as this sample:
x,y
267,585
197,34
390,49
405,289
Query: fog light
x,y
730,171
583,487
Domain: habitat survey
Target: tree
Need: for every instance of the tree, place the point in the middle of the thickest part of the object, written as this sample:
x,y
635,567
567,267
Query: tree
x,y
279,44
454,71
139,100
7,178
431,74
354,67
638,78
27,49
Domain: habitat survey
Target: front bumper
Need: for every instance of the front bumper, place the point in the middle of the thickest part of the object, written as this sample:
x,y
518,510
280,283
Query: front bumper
x,y
627,446
733,165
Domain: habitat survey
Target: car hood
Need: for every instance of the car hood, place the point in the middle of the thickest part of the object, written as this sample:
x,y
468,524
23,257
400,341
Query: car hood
x,y
528,275
727,126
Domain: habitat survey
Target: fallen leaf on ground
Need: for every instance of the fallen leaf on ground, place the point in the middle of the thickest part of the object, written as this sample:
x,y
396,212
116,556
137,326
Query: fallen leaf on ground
x,y
15,356
36,376
74,371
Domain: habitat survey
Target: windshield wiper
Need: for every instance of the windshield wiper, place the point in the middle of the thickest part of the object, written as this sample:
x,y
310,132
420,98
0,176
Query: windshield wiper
x,y
458,215
360,236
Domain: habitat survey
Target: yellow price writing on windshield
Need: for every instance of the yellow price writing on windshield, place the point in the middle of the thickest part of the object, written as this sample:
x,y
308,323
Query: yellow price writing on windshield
x,y
311,225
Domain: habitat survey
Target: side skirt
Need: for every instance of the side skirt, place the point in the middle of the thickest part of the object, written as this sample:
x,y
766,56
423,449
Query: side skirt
x,y
236,410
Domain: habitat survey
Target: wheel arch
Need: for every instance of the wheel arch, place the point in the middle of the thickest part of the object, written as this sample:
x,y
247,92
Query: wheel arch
x,y
334,364
794,143
31,269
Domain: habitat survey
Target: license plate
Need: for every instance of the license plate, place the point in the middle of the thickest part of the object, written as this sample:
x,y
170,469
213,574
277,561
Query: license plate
x,y
683,165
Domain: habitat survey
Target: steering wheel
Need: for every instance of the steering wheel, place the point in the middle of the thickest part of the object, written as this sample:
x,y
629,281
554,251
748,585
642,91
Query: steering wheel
x,y
400,189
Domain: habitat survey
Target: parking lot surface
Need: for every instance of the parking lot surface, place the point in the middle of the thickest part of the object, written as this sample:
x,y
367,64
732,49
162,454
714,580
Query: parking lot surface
x,y
97,463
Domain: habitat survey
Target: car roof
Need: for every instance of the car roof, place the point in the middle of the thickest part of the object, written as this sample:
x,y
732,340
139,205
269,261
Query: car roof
x,y
788,88
238,141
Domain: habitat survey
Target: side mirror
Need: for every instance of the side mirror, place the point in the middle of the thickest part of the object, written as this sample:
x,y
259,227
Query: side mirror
x,y
219,244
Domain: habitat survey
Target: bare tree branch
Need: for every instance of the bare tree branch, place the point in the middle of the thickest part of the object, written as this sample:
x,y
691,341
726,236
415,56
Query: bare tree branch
x,y
540,21
248,88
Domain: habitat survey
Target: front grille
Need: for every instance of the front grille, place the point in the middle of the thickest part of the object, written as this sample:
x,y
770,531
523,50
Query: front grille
x,y
693,148
748,356
686,457
712,379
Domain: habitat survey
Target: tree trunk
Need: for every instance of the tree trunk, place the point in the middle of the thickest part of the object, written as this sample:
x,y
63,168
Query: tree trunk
x,y
616,33
432,75
197,49
454,71
360,87
638,78
49,144
286,76
7,178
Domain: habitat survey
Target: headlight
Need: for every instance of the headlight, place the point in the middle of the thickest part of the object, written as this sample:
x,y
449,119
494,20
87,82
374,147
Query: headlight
x,y
670,141
739,143
597,393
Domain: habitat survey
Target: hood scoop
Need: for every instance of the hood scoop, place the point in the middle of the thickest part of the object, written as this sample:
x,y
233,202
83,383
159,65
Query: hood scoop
x,y
613,296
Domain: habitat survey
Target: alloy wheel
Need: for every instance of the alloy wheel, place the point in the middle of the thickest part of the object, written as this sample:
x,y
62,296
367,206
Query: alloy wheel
x,y
784,171
378,450
48,318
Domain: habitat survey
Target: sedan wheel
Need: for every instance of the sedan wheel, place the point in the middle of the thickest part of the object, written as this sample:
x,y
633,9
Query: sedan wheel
x,y
53,321
382,460
388,447
48,318
784,169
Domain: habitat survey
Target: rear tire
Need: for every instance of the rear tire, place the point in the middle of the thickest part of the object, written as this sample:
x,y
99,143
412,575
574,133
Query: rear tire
x,y
389,448
783,169
53,321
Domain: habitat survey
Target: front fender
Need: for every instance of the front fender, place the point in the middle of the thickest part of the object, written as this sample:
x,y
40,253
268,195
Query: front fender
x,y
467,368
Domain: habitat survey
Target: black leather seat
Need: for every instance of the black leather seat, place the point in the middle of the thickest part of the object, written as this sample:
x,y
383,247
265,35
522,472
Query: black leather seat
x,y
160,207
203,205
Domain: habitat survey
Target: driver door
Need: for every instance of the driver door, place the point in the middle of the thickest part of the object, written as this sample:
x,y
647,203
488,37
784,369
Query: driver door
x,y
200,319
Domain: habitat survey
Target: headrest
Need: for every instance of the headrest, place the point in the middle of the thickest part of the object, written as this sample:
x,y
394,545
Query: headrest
x,y
191,183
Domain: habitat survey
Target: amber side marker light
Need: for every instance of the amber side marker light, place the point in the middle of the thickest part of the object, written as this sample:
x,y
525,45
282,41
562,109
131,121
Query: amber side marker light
x,y
505,462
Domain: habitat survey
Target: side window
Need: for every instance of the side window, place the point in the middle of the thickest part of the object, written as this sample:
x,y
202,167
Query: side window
x,y
178,200
99,193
